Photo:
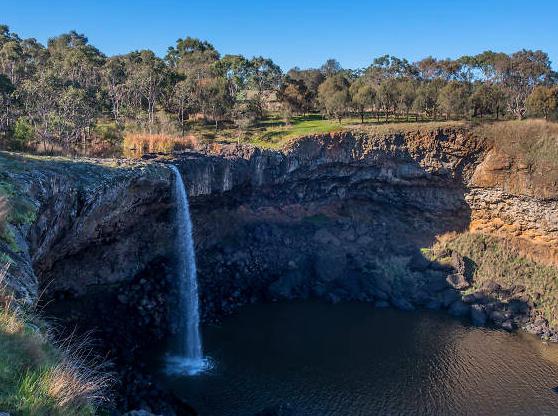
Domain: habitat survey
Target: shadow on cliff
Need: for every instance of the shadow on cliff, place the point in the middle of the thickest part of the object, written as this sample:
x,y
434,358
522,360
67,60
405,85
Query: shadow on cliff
x,y
333,223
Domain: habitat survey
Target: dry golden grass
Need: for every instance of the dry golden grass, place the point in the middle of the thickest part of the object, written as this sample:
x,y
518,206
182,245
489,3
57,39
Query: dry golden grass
x,y
535,141
138,144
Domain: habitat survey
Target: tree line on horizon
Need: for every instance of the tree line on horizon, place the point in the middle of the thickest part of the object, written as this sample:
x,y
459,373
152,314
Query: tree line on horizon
x,y
69,92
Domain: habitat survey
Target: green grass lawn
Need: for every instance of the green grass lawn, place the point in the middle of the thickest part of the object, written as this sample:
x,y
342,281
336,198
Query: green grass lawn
x,y
274,132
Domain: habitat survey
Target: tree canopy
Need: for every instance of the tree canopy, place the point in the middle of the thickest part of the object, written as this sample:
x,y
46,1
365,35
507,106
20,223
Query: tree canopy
x,y
60,92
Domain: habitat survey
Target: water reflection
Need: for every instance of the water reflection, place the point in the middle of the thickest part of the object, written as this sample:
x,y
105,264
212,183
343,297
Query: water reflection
x,y
351,359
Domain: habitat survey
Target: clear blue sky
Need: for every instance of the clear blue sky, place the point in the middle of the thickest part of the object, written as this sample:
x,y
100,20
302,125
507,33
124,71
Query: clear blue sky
x,y
301,32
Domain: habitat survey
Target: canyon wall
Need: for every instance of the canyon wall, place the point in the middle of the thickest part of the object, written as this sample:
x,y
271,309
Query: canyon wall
x,y
346,216
328,216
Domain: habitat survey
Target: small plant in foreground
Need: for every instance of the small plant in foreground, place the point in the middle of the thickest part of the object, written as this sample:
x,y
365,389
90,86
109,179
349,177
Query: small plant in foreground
x,y
41,377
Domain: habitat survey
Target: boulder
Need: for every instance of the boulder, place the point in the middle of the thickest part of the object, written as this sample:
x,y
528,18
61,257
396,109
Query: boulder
x,y
330,265
507,325
434,304
458,263
449,296
470,298
457,281
288,286
518,307
435,281
458,308
402,303
478,315
497,316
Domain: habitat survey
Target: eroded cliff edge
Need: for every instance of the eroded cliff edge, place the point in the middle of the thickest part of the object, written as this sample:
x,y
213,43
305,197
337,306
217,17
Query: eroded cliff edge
x,y
347,216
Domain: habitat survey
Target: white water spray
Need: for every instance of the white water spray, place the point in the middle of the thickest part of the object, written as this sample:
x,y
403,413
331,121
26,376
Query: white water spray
x,y
188,357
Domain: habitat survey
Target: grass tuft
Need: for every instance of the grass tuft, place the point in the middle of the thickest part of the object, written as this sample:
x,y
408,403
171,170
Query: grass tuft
x,y
39,377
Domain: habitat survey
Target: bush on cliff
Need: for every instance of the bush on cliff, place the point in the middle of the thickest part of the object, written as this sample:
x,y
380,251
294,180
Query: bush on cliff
x,y
38,377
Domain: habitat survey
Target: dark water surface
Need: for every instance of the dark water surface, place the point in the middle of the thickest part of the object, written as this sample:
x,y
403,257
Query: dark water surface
x,y
352,359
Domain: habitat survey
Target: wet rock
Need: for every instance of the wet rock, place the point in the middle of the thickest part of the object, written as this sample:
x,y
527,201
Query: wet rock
x,y
458,308
134,413
507,325
403,304
434,304
497,316
470,298
450,296
478,315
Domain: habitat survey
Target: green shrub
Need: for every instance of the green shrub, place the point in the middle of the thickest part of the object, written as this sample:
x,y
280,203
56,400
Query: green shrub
x,y
109,132
23,133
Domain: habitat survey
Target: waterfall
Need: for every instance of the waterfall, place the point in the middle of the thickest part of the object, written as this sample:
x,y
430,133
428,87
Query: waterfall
x,y
187,355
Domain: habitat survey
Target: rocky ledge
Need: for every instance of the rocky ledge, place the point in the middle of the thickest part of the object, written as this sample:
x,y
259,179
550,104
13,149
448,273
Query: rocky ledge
x,y
346,216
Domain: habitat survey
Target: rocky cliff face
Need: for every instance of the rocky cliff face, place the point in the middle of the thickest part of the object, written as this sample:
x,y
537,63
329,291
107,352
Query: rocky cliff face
x,y
332,216
93,223
339,217
326,218
511,199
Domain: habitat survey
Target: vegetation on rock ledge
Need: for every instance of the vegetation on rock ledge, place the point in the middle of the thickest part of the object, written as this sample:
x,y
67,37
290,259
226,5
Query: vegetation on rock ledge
x,y
498,260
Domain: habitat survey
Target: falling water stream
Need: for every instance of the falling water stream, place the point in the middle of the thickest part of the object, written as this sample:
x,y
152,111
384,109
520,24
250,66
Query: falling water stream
x,y
187,356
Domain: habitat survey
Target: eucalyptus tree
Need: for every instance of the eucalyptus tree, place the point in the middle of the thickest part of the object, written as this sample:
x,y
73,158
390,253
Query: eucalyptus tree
x,y
6,100
75,60
407,94
264,80
334,96
426,100
543,101
237,70
192,57
488,98
216,99
389,96
363,95
148,76
293,96
114,76
312,79
454,98
330,68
